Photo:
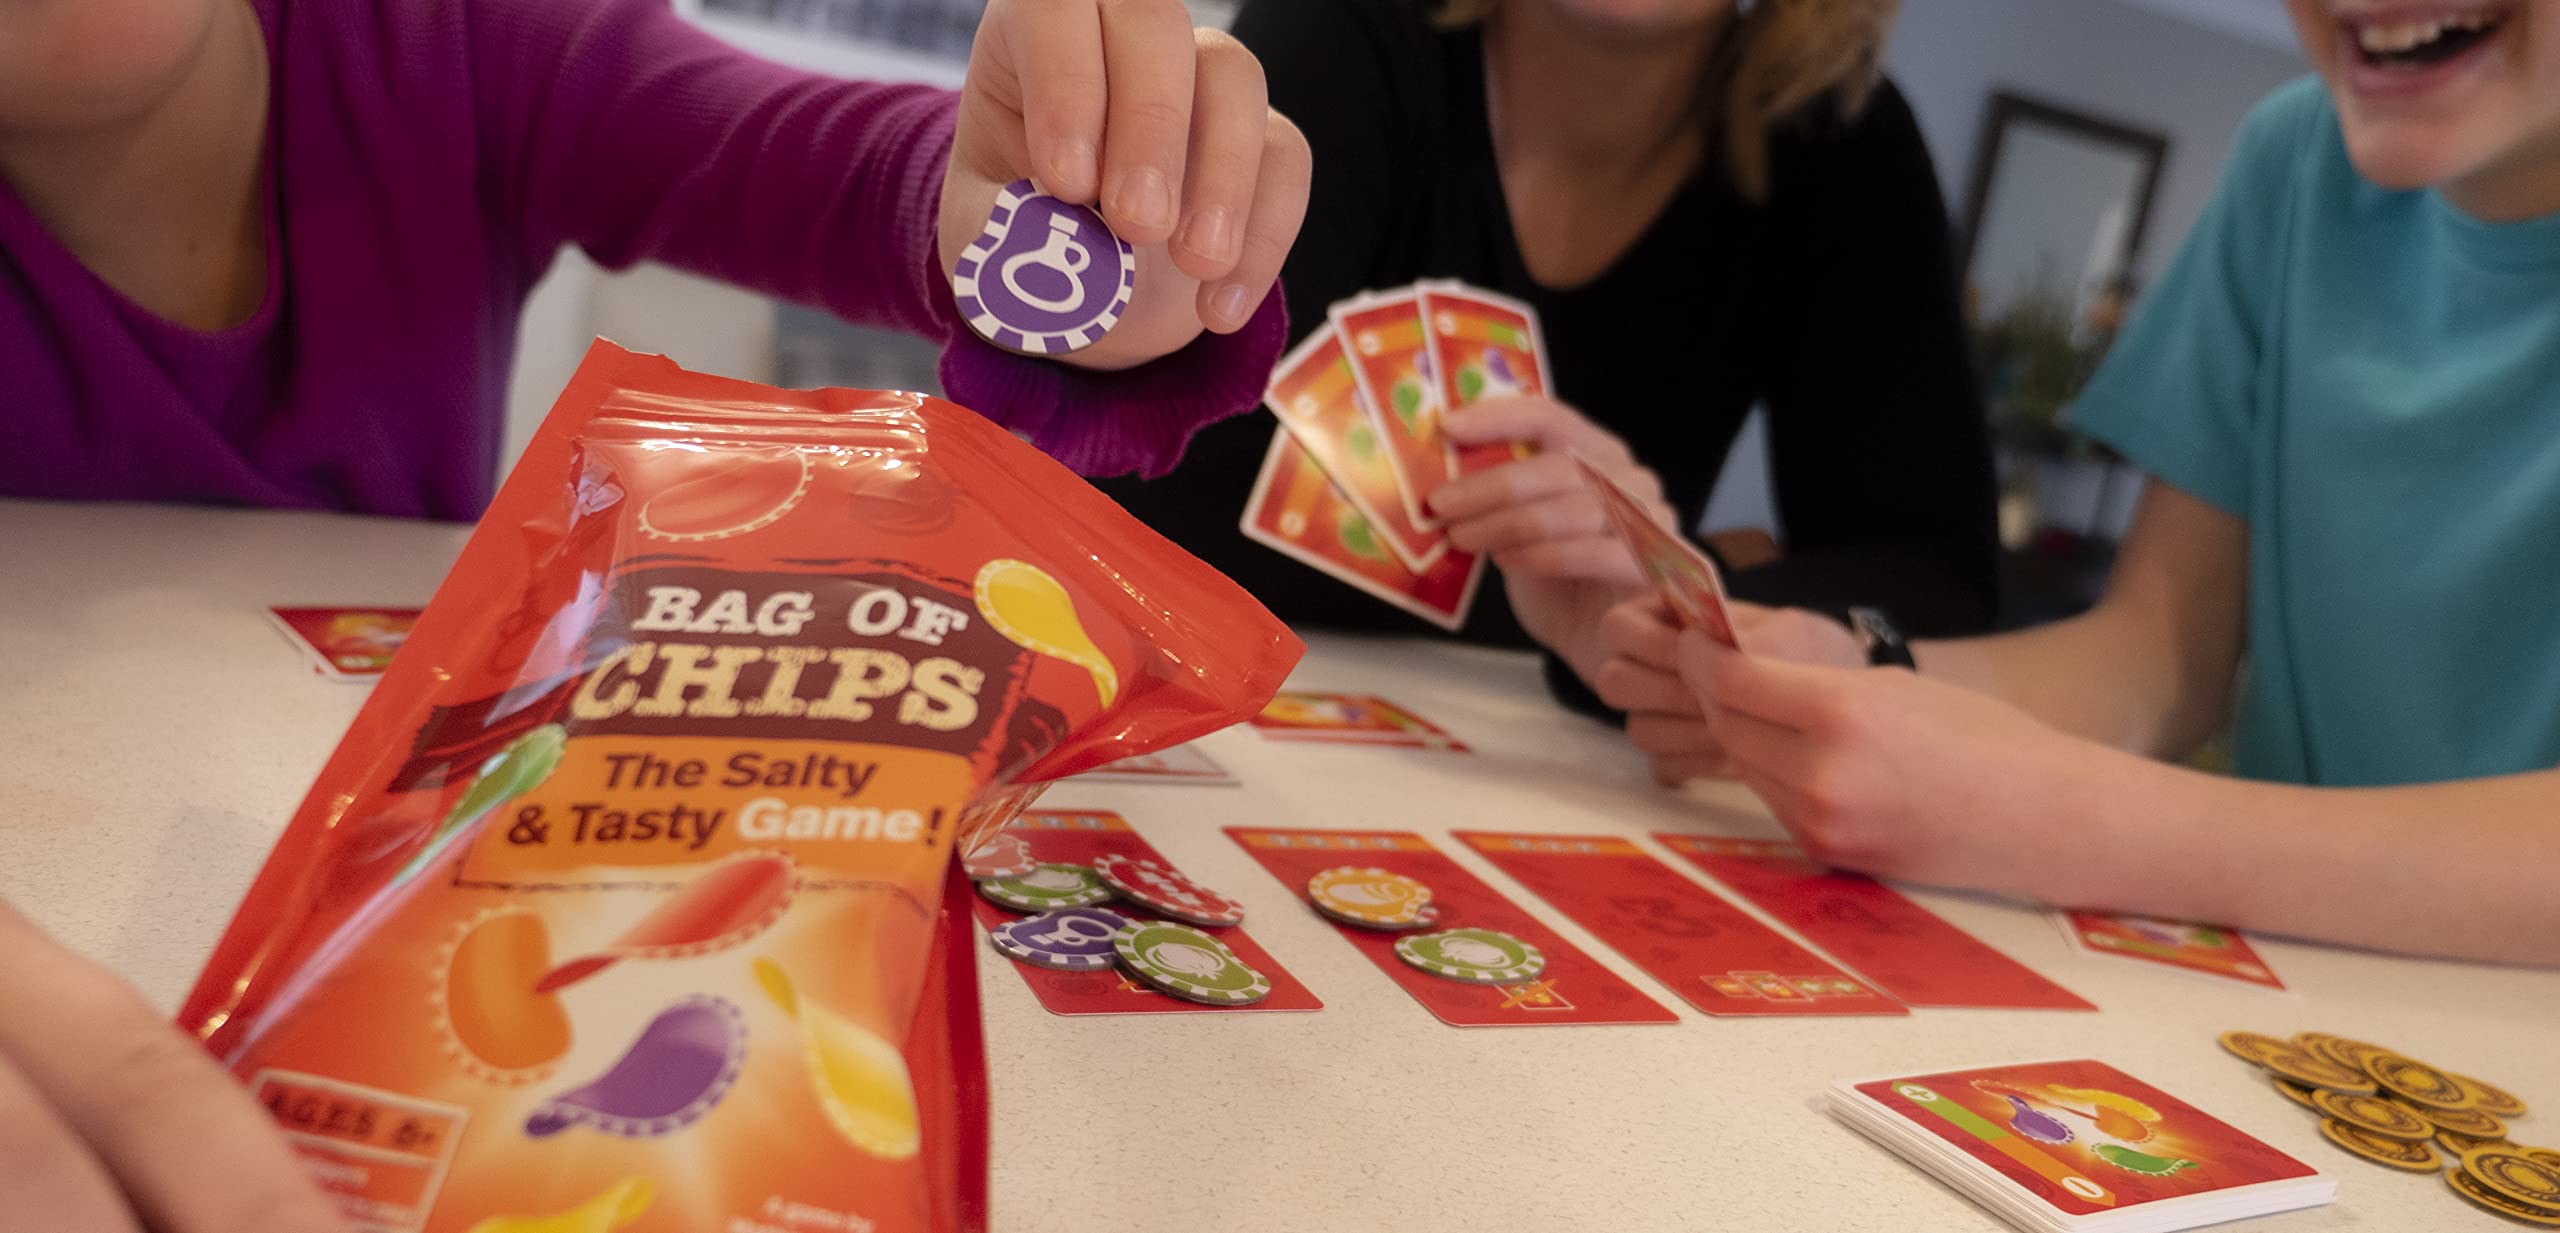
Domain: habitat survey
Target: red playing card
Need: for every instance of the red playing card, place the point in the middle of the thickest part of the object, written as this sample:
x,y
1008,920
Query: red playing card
x,y
1483,345
2207,950
1686,577
2075,1139
1180,764
1574,988
1899,946
1316,399
1077,838
1719,957
1295,510
1351,719
1382,336
346,644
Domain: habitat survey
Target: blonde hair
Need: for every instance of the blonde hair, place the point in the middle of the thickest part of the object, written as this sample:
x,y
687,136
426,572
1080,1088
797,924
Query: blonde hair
x,y
1771,62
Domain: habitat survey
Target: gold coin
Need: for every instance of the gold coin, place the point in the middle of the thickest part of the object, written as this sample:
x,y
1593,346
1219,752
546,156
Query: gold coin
x,y
2397,1153
2469,1187
2345,1051
2543,1154
2373,1115
2310,1071
2469,1123
2489,1097
2515,1175
2416,1081
2293,1091
2458,1144
2255,1047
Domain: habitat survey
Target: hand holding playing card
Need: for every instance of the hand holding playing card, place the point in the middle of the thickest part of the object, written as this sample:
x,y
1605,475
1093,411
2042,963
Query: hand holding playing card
x,y
1895,774
1665,718
1168,128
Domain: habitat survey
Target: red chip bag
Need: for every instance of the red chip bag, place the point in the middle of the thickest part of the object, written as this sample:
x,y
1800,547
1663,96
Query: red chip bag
x,y
628,901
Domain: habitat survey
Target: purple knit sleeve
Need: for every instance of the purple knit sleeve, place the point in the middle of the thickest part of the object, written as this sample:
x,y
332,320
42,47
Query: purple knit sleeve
x,y
619,127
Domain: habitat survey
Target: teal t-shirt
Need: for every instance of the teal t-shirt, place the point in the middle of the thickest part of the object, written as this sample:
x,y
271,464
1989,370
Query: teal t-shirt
x,y
2372,380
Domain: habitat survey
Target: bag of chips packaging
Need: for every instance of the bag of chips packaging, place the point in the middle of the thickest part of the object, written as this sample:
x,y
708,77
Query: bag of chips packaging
x,y
628,901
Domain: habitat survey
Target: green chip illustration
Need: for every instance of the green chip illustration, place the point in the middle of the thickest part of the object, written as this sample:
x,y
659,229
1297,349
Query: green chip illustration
x,y
1048,887
1359,538
1470,383
1189,964
1407,398
1476,956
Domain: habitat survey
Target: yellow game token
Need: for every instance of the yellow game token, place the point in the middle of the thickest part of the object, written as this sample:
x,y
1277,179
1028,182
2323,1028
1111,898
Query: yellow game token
x,y
2469,1123
2343,1050
2309,1071
2489,1097
2470,1187
2515,1175
2293,1091
2415,1081
1372,897
2255,1047
2543,1154
2373,1115
2396,1153
2458,1144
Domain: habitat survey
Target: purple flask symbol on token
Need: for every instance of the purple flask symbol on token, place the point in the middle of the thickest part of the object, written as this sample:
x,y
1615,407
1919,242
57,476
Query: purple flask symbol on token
x,y
1043,277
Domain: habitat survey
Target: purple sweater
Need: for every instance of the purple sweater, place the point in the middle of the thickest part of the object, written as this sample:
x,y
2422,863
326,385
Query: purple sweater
x,y
426,161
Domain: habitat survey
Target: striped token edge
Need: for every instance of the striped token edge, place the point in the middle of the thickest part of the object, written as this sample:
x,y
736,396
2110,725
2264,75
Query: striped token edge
x,y
973,259
1108,865
2490,1097
2515,1175
1409,950
2295,1092
1428,917
1174,982
996,892
2394,1153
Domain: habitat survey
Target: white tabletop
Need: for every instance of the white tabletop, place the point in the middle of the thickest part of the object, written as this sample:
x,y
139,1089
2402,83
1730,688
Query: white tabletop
x,y
155,733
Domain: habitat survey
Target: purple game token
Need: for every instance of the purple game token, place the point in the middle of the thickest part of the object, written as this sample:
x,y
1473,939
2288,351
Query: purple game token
x,y
681,1066
1069,939
1043,276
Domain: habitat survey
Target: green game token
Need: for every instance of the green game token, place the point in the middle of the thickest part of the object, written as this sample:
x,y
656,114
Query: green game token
x,y
1188,964
1476,956
1048,887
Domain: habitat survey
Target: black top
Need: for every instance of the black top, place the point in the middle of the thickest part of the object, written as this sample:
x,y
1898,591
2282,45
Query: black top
x,y
1835,303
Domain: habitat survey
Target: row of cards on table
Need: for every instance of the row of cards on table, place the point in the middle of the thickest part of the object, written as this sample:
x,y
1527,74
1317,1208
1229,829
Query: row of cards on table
x,y
1858,947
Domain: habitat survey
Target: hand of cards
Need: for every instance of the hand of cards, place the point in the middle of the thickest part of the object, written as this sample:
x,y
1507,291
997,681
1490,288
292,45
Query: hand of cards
x,y
1362,446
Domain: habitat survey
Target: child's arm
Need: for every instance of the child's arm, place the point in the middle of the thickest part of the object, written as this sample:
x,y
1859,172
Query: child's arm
x,y
616,126
1909,777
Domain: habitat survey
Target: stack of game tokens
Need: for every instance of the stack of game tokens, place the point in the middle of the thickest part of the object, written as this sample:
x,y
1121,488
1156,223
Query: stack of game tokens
x,y
2399,1112
1070,931
1393,903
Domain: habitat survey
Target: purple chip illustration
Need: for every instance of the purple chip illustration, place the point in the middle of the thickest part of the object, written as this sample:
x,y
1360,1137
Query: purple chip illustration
x,y
681,1066
1069,939
1043,276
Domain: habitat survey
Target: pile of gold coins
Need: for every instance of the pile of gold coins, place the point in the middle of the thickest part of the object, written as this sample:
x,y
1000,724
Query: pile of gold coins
x,y
2399,1112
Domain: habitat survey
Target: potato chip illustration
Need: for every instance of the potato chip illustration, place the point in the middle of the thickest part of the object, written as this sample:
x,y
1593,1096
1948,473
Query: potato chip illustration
x,y
681,1065
503,1029
746,490
509,773
1028,606
723,906
861,1079
619,1205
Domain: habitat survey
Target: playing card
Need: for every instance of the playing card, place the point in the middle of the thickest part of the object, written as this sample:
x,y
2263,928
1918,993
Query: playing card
x,y
1686,577
1076,839
1482,345
346,644
1382,336
1899,946
1317,400
1180,764
1295,510
1354,719
2217,951
2077,1145
1572,988
1720,958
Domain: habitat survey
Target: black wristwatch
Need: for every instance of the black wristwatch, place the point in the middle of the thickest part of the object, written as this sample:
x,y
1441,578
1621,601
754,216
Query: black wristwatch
x,y
1882,639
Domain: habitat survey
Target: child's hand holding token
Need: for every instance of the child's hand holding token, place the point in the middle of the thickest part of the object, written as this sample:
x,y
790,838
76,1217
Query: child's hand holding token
x,y
1166,130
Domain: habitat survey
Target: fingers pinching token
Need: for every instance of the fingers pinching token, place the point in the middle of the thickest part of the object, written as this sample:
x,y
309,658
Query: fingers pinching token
x,y
1476,956
1047,887
1369,898
1043,277
1188,964
1002,855
1166,891
1069,939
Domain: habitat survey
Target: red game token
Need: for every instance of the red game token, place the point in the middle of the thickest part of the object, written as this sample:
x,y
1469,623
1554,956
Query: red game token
x,y
1166,891
1003,855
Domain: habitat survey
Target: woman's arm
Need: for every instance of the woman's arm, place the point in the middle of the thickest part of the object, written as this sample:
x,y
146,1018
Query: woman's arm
x,y
1879,456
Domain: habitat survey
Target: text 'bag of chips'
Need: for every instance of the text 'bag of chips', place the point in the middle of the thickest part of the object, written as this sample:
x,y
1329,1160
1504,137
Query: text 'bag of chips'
x,y
622,905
